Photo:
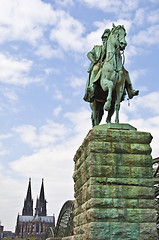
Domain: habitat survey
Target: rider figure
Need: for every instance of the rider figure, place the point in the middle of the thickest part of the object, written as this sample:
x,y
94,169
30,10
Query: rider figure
x,y
97,55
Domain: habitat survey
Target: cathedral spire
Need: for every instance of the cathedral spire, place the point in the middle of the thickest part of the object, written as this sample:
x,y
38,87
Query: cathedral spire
x,y
41,202
29,195
42,195
28,202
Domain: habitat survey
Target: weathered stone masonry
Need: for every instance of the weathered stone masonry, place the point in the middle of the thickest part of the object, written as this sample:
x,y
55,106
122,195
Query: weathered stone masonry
x,y
114,195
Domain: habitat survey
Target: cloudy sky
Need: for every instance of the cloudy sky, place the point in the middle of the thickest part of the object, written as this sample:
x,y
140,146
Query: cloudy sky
x,y
43,71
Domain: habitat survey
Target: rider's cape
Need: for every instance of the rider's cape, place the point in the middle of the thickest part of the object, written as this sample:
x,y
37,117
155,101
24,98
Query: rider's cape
x,y
89,92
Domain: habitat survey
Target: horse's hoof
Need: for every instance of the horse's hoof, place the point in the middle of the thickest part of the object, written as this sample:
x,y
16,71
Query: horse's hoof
x,y
134,93
108,121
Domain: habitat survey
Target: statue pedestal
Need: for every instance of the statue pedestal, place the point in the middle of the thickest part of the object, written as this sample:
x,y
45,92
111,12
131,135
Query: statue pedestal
x,y
114,195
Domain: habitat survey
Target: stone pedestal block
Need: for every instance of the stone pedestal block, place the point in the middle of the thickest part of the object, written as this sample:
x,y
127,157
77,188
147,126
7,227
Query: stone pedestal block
x,y
114,194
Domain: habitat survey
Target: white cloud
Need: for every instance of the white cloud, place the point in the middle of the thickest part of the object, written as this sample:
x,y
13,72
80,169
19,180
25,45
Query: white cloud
x,y
76,82
68,33
41,137
3,150
5,136
153,17
44,161
140,16
15,71
148,102
57,110
9,94
142,105
154,1
28,22
27,134
116,6
23,21
51,70
147,36
64,3
81,121
135,75
9,189
47,52
57,144
52,135
58,95
131,51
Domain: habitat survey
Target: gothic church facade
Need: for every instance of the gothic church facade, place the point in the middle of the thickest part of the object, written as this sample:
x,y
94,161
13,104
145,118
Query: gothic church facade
x,y
31,224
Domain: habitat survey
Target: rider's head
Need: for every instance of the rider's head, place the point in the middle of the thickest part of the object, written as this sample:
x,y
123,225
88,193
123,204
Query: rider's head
x,y
105,35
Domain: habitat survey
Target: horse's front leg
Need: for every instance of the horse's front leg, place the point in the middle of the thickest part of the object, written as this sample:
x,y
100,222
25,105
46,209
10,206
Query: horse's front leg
x,y
117,103
97,112
107,82
110,113
117,108
93,115
117,114
108,85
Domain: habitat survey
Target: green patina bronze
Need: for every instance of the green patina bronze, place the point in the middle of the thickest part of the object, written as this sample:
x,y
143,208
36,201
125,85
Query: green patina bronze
x,y
123,126
108,80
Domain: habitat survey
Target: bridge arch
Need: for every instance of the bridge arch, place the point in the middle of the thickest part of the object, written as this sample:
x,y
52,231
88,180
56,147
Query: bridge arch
x,y
64,225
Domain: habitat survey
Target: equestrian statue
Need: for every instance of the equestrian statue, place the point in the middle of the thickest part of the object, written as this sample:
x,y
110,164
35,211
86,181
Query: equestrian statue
x,y
108,80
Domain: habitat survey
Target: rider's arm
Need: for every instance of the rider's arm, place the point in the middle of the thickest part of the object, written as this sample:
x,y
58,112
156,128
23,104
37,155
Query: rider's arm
x,y
91,56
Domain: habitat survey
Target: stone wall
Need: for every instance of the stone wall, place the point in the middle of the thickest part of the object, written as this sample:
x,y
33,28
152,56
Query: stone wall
x,y
68,238
114,195
65,238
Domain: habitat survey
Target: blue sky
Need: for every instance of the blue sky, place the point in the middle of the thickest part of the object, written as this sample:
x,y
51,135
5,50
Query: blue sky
x,y
43,72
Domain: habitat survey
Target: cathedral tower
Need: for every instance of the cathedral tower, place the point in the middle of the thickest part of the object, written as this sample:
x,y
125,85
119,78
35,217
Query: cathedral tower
x,y
36,225
40,209
28,202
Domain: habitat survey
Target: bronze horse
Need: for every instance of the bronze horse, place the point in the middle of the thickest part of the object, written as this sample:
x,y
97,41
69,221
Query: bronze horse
x,y
111,80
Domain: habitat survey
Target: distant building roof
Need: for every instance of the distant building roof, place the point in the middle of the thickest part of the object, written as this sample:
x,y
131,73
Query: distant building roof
x,y
36,218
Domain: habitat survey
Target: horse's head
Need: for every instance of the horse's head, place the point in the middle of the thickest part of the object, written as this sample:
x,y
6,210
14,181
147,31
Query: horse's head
x,y
119,33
